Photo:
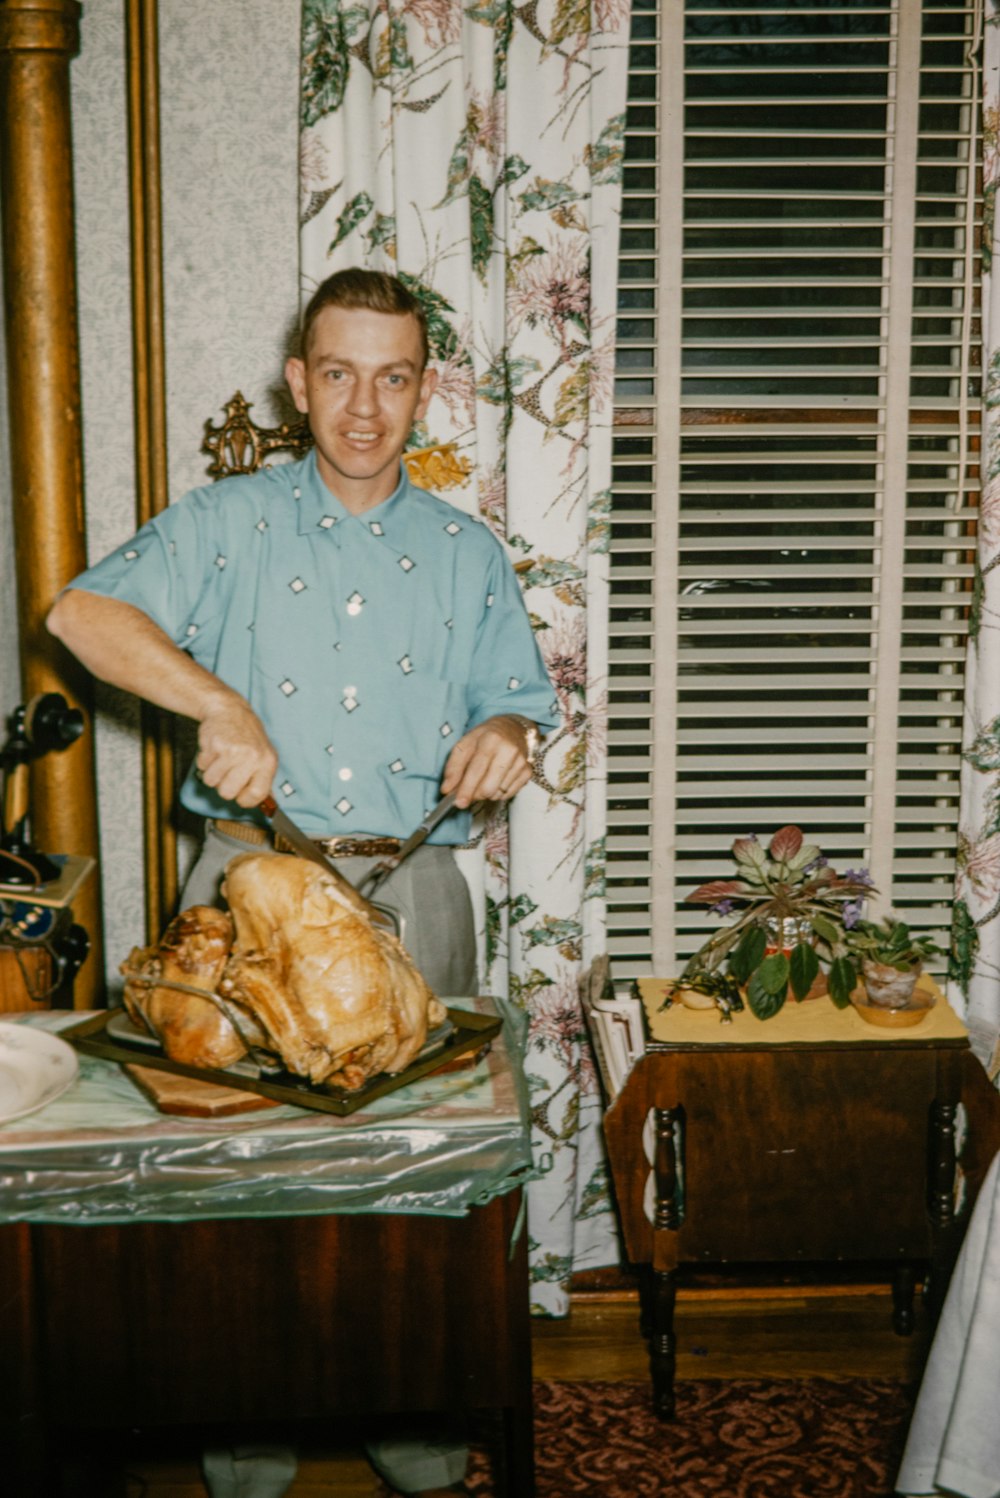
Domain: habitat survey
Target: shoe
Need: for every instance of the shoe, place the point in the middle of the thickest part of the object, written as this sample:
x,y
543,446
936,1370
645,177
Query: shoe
x,y
249,1471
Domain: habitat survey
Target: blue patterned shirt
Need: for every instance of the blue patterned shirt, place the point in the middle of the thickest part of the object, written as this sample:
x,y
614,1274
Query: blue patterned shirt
x,y
366,644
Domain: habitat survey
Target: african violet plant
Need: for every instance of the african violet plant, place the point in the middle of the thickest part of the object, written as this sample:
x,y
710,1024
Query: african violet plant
x,y
792,916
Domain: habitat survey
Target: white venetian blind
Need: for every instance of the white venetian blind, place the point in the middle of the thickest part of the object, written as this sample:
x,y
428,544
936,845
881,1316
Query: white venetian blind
x,y
795,477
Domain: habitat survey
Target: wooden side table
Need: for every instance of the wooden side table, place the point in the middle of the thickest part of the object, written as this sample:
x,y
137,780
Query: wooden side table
x,y
812,1137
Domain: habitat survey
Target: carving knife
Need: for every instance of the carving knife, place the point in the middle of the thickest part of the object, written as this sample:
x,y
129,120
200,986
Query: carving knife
x,y
380,873
282,822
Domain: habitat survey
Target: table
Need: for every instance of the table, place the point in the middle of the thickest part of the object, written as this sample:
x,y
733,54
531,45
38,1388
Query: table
x,y
283,1266
810,1137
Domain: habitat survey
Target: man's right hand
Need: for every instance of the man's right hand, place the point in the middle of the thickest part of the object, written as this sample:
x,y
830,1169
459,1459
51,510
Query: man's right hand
x,y
121,644
235,756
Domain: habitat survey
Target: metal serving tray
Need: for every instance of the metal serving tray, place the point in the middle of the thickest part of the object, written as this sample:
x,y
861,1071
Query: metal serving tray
x,y
465,1032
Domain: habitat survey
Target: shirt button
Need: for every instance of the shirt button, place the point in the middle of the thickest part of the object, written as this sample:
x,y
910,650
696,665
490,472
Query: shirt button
x,y
345,774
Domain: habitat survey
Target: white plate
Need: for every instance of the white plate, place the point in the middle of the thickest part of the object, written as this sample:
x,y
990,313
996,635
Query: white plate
x,y
35,1068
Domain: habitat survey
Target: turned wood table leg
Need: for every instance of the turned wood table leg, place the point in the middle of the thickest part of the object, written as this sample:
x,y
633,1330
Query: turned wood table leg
x,y
662,1343
903,1284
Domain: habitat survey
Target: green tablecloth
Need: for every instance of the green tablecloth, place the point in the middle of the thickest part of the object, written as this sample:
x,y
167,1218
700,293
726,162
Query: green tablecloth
x,y
102,1153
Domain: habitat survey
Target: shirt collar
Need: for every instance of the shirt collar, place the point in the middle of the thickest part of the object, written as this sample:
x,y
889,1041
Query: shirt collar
x,y
319,509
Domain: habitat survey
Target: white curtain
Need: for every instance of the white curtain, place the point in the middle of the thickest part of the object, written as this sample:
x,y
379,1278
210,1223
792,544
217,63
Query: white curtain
x,y
476,150
976,928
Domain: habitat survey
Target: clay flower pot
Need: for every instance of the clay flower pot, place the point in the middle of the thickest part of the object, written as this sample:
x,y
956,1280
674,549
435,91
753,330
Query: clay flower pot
x,y
887,986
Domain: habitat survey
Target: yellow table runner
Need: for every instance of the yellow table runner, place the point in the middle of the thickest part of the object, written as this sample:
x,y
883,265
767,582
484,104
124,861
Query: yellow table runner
x,y
813,1022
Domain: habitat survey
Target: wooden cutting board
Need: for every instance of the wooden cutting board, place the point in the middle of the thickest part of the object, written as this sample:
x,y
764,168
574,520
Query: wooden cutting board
x,y
189,1098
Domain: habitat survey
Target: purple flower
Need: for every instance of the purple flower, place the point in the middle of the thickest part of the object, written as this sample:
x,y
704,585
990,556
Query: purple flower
x,y
821,862
852,912
724,907
860,876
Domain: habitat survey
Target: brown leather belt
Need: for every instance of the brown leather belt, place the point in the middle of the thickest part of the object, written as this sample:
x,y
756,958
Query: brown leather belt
x,y
333,847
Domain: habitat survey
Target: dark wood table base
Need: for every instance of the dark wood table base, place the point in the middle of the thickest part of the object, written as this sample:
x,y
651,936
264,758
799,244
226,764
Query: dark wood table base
x,y
238,1322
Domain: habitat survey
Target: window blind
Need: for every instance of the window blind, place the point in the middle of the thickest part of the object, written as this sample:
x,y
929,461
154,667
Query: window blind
x,y
796,448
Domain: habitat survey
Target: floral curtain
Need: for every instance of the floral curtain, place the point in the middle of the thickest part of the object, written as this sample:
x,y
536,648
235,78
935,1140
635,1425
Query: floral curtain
x,y
476,150
976,928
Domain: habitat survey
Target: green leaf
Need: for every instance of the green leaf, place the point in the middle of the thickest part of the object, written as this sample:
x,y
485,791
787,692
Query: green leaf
x,y
842,981
520,908
803,968
826,929
748,953
773,973
458,169
481,226
325,60
357,209
605,157
383,230
440,334
764,1002
513,167
964,946
543,195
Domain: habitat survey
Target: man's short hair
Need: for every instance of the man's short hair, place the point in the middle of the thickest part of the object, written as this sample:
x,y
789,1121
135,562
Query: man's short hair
x,y
373,290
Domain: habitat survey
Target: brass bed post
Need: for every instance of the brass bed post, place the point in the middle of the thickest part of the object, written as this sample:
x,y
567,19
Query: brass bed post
x,y
149,386
37,40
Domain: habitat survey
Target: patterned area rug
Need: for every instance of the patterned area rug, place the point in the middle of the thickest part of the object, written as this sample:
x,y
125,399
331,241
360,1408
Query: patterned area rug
x,y
750,1438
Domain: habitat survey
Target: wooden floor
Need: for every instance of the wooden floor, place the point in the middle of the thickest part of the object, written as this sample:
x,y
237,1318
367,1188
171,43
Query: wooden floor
x,y
775,1331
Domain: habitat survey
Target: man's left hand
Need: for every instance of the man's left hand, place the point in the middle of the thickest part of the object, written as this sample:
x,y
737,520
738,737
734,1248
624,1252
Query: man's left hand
x,y
489,763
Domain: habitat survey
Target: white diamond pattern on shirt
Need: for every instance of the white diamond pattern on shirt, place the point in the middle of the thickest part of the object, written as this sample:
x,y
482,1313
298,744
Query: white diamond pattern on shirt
x,y
261,526
220,561
407,564
349,699
327,522
287,788
396,766
375,528
355,603
130,556
330,749
343,806
489,600
192,629
405,665
449,624
446,730
453,528
513,684
297,585
287,686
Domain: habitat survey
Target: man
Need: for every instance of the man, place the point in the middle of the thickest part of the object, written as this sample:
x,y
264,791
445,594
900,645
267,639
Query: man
x,y
343,640
346,642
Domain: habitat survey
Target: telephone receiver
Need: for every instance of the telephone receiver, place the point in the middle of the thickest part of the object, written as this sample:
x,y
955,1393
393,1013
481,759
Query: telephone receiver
x,y
44,724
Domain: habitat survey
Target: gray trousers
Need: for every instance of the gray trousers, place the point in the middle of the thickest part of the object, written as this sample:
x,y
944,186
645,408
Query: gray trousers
x,y
427,891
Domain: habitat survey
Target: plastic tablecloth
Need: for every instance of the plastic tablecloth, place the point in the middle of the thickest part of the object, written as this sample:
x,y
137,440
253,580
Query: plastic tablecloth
x,y
103,1153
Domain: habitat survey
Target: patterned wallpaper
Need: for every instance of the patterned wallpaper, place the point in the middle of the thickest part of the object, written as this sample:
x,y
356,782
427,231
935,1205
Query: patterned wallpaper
x,y
229,100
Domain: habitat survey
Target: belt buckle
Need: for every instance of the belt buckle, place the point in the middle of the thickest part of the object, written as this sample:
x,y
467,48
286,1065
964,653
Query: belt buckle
x,y
347,846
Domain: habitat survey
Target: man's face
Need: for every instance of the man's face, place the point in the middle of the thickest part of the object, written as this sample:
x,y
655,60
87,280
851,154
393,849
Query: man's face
x,y
362,388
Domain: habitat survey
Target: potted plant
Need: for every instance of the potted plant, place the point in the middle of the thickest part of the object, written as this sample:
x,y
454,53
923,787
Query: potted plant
x,y
889,958
792,914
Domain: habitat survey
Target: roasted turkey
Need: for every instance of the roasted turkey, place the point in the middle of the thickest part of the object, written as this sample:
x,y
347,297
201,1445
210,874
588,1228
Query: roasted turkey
x,y
309,976
193,951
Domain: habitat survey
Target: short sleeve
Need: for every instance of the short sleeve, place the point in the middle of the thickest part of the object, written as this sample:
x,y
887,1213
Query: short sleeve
x,y
173,569
509,675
